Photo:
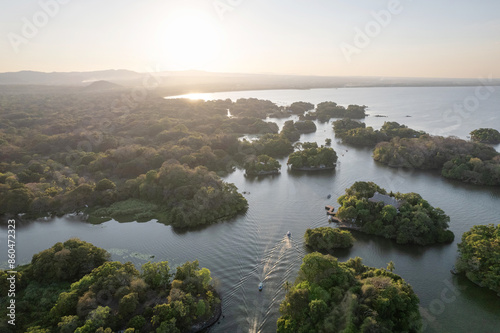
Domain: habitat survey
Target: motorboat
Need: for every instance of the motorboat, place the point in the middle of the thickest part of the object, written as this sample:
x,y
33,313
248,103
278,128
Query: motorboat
x,y
289,234
261,285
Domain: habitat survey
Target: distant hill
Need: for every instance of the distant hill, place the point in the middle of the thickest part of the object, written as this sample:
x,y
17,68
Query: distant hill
x,y
102,85
66,78
173,83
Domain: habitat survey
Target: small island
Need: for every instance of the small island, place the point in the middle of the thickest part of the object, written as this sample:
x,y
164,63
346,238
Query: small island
x,y
457,159
262,165
485,135
326,110
72,287
405,217
292,130
333,296
327,238
357,134
310,157
300,107
479,254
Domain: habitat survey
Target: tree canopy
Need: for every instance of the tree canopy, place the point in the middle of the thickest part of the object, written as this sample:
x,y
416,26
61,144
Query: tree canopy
x,y
327,110
479,256
485,135
356,133
313,157
331,296
111,296
414,221
262,165
327,238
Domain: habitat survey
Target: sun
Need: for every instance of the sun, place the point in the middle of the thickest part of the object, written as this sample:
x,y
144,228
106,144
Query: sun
x,y
189,39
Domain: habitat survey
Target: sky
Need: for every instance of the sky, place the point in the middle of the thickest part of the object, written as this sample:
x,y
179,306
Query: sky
x,y
393,38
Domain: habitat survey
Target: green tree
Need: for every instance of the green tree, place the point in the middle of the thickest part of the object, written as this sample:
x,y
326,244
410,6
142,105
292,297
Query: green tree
x,y
157,275
105,184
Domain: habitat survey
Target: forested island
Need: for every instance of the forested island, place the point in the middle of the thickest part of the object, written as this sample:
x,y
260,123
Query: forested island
x,y
357,134
310,157
327,238
485,135
326,110
456,158
399,146
73,287
405,217
332,296
262,165
479,256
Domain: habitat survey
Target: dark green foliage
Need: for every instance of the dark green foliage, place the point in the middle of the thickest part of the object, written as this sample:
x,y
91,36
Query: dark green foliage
x,y
306,126
326,238
342,126
273,145
300,107
428,152
253,107
329,296
183,197
262,165
479,256
414,222
473,170
73,152
327,110
290,132
157,274
112,297
313,157
105,184
68,261
485,135
356,133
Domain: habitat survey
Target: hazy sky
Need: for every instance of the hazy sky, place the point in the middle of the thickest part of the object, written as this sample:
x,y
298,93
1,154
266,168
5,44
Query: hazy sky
x,y
443,38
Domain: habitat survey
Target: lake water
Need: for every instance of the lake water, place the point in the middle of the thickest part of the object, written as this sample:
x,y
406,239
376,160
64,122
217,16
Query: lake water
x,y
253,247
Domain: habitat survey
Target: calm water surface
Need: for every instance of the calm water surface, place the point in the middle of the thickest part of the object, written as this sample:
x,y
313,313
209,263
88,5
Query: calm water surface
x,y
253,247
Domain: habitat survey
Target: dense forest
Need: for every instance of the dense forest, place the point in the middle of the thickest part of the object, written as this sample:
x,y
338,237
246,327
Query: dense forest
x,y
73,287
357,134
456,158
152,158
399,146
327,238
326,110
485,135
111,155
311,157
262,165
332,296
479,256
405,217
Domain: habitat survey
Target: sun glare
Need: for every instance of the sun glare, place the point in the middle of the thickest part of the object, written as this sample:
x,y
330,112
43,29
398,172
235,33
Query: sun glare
x,y
189,40
194,96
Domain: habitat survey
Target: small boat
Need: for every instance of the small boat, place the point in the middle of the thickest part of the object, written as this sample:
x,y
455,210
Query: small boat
x,y
289,234
261,285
